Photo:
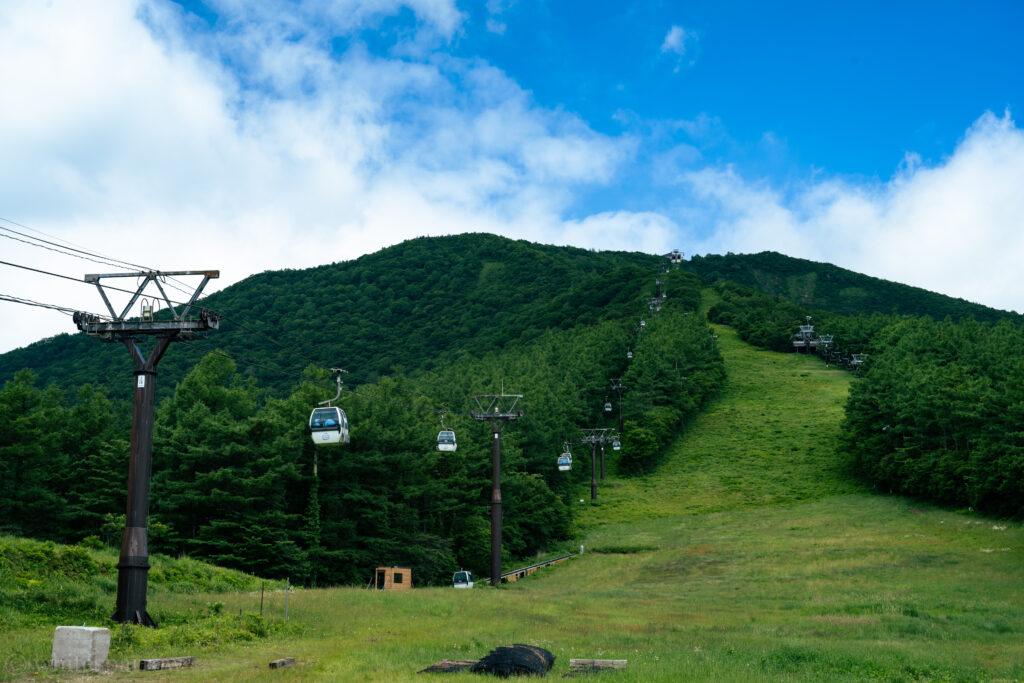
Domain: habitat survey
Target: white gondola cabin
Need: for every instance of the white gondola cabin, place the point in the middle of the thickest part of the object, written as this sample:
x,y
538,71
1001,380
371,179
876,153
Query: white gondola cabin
x,y
607,407
462,579
616,445
565,462
328,426
446,440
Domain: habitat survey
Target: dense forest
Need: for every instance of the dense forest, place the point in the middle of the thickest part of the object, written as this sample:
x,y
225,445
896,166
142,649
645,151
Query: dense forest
x,y
937,413
238,481
826,287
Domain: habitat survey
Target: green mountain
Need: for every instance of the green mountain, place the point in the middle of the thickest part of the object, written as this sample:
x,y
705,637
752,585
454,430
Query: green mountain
x,y
412,306
420,302
827,287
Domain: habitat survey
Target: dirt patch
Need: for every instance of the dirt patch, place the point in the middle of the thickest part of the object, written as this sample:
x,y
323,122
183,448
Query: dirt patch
x,y
847,619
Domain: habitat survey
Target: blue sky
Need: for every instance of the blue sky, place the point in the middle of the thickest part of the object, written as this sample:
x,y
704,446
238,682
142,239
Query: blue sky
x,y
847,88
249,136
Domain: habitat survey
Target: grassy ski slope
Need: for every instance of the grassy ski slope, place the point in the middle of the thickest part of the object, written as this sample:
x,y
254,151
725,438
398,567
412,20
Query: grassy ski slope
x,y
767,439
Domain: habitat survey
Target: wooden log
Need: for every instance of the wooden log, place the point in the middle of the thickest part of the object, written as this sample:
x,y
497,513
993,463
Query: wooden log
x,y
281,663
165,663
596,664
446,666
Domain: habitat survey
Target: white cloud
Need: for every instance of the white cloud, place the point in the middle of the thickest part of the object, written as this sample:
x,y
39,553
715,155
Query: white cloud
x,y
254,148
622,230
333,16
495,8
679,42
956,227
675,40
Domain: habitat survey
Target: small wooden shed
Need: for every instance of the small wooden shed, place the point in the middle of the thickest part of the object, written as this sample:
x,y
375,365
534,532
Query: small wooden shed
x,y
393,578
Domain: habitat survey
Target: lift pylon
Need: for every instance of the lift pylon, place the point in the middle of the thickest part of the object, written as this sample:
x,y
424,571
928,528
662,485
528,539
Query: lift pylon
x,y
133,563
596,436
496,409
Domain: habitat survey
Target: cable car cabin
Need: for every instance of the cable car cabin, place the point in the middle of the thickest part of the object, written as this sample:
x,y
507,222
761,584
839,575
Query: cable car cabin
x,y
446,440
607,407
393,579
564,462
329,426
462,579
616,445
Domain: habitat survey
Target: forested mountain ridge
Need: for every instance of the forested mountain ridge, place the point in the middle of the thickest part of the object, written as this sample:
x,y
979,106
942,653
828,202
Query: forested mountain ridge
x,y
831,288
413,304
410,305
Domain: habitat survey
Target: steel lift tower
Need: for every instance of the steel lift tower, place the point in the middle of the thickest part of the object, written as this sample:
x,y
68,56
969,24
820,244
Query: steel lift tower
x,y
595,436
133,563
500,408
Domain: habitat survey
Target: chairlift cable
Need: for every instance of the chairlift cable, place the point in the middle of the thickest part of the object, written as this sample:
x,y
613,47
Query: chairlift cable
x,y
78,280
57,250
96,256
28,302
195,342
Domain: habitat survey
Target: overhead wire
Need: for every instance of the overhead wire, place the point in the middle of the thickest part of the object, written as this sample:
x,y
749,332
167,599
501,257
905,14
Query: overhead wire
x,y
102,259
63,309
268,338
89,255
72,246
67,251
81,253
217,352
79,281
30,302
106,260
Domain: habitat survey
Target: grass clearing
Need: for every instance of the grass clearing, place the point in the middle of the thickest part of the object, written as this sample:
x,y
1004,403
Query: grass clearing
x,y
747,556
768,438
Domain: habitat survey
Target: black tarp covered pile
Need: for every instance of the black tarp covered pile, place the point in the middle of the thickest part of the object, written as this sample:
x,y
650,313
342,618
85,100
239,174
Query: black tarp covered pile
x,y
516,660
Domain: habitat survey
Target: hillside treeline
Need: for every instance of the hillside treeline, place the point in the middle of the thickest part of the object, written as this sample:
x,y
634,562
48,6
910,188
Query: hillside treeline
x,y
827,287
936,415
238,481
411,305
939,414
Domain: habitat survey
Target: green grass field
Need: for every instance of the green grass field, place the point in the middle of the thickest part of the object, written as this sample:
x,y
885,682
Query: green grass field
x,y
747,556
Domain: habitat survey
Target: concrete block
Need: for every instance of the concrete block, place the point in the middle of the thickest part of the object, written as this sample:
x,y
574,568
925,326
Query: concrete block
x,y
80,647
